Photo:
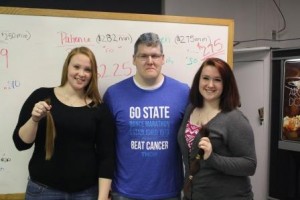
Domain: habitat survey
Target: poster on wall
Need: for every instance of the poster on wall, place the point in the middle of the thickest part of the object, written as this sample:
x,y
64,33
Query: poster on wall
x,y
291,101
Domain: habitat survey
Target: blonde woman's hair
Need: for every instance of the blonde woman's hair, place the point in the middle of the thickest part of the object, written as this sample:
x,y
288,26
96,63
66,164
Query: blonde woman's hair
x,y
50,134
91,91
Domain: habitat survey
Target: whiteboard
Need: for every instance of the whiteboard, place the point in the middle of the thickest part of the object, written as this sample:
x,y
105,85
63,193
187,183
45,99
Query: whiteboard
x,y
35,42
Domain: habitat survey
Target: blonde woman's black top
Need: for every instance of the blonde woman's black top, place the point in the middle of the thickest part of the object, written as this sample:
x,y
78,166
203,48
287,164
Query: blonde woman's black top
x,y
84,145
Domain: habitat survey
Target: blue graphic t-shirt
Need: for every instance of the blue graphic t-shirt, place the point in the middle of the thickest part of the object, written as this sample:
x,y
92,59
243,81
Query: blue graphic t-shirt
x,y
149,163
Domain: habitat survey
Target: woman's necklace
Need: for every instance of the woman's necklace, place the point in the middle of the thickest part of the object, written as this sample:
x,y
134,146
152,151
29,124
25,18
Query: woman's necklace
x,y
203,117
198,119
72,100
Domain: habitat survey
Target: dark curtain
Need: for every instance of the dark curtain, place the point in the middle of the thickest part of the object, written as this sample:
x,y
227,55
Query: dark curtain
x,y
124,6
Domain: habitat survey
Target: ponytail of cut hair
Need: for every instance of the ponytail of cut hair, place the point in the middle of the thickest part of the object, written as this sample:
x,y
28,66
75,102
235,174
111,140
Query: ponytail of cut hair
x,y
50,134
194,167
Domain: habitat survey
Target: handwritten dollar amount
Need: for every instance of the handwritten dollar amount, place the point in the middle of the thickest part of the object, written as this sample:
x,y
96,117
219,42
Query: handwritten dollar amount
x,y
8,35
117,70
12,84
114,38
206,46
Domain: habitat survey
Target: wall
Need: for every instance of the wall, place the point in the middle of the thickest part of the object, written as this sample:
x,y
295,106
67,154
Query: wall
x,y
254,19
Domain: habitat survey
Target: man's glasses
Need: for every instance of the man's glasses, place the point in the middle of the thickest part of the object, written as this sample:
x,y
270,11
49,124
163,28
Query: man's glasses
x,y
145,57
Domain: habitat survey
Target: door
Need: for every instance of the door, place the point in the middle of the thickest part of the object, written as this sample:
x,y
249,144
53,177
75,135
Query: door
x,y
252,72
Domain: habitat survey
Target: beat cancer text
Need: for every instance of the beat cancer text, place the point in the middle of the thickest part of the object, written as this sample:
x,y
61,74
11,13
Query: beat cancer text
x,y
149,145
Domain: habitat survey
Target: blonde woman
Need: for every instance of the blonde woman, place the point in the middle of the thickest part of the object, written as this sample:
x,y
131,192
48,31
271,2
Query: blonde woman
x,y
73,135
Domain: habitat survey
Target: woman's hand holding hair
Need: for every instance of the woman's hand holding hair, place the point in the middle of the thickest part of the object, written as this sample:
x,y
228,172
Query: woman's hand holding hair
x,y
40,110
28,131
206,146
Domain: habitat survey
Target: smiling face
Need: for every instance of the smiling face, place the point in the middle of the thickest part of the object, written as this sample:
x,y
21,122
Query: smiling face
x,y
79,72
148,61
210,84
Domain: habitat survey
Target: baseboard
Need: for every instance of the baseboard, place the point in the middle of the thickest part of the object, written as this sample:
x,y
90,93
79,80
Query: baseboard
x,y
19,196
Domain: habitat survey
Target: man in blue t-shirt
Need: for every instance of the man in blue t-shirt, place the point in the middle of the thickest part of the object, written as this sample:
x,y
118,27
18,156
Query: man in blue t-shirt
x,y
148,108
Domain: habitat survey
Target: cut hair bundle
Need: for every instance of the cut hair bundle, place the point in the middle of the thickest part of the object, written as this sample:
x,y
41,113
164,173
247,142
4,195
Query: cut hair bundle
x,y
50,134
